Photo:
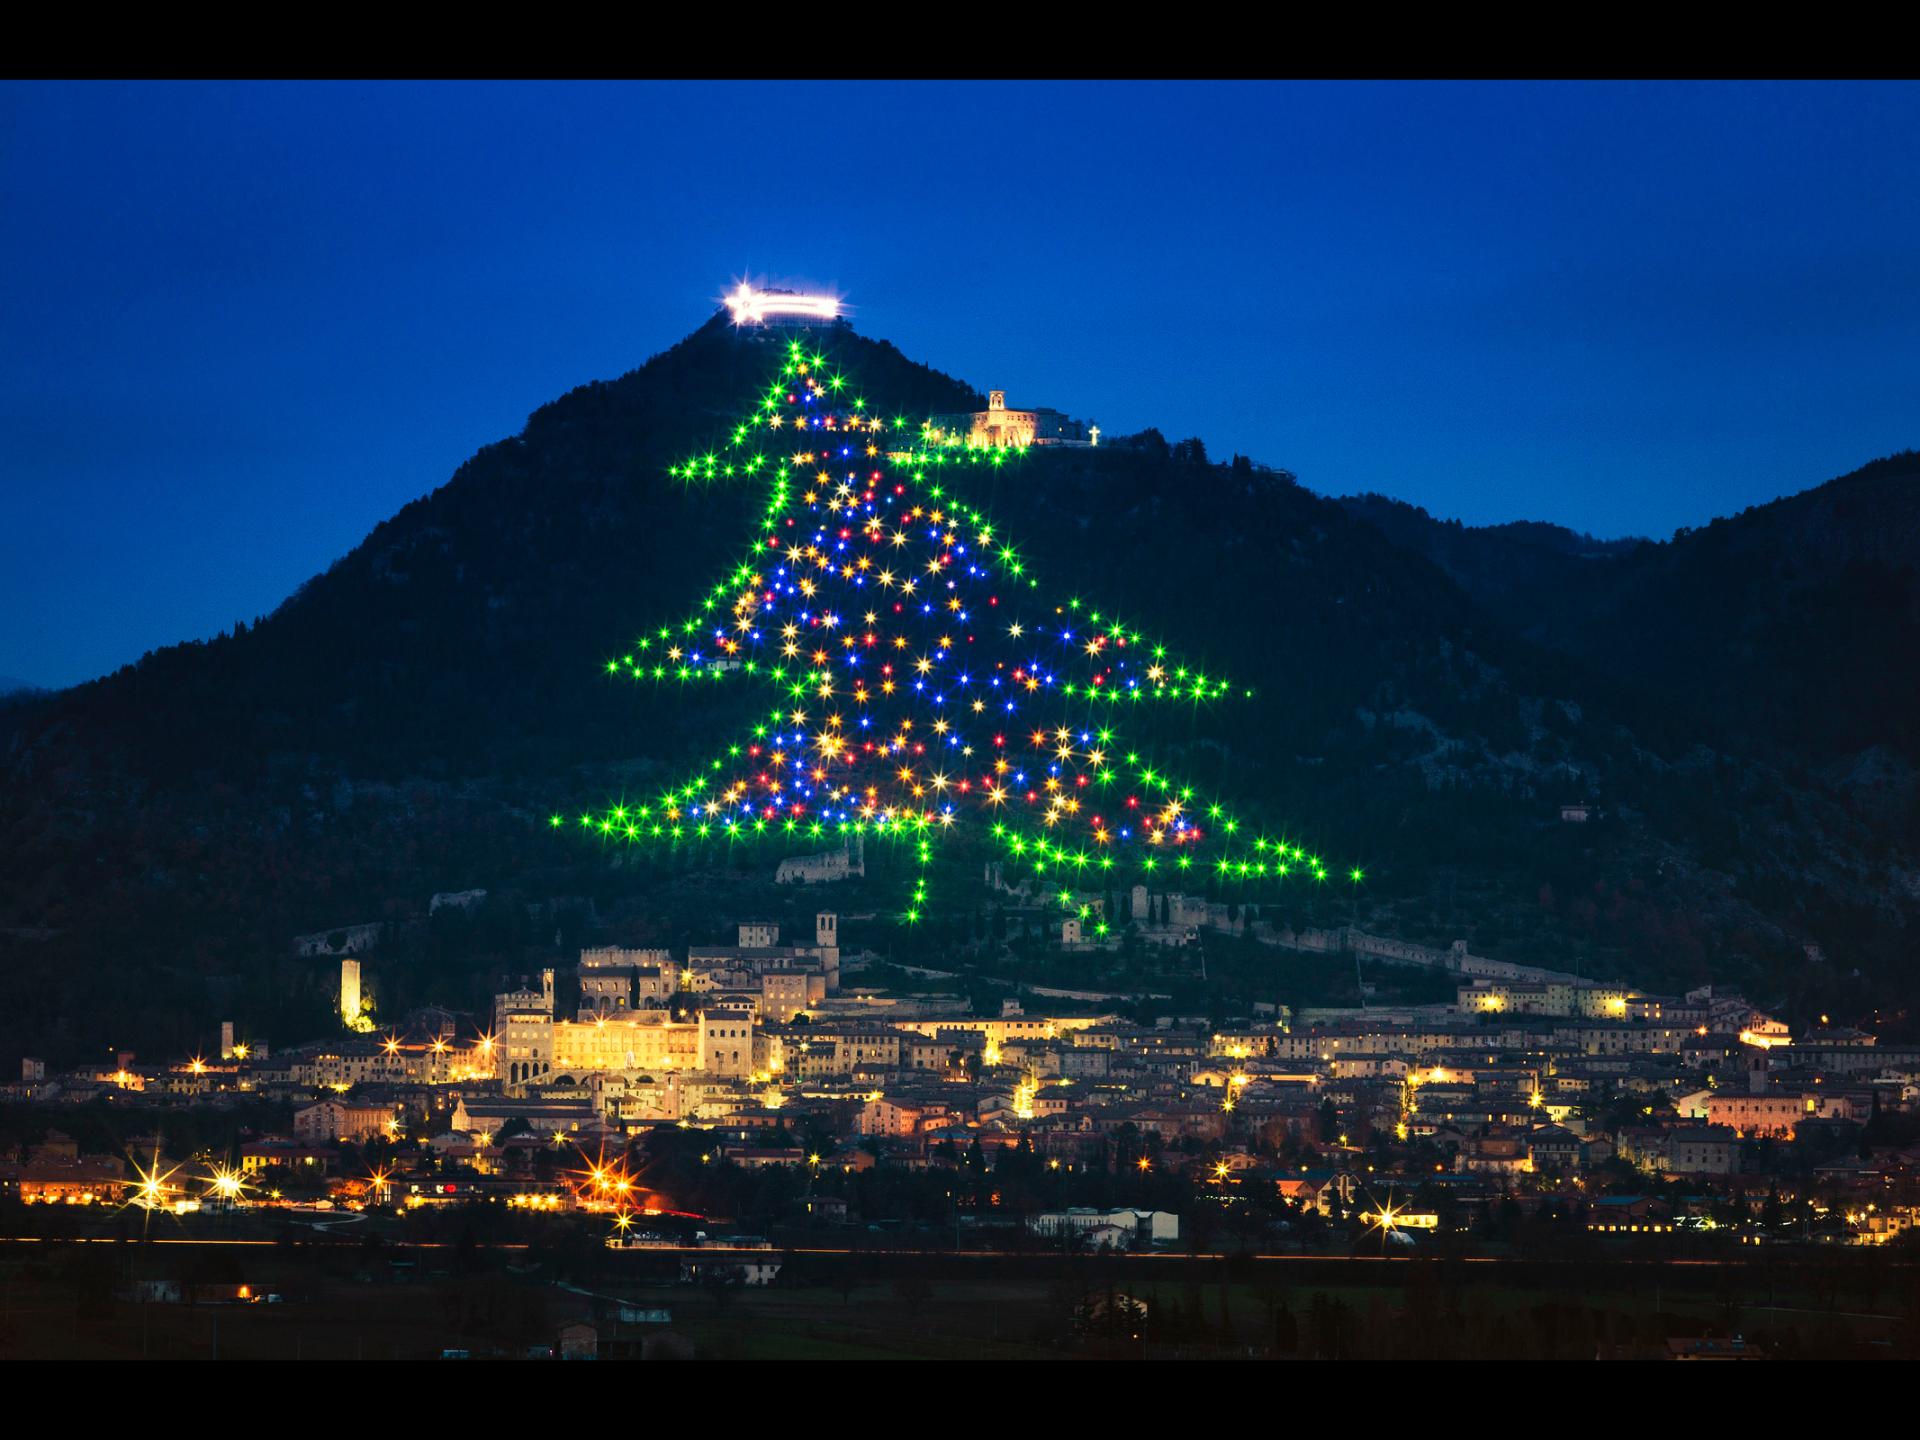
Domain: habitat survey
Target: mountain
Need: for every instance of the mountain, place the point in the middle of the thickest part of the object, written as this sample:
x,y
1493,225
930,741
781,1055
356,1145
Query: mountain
x,y
11,686
1791,625
1494,564
404,723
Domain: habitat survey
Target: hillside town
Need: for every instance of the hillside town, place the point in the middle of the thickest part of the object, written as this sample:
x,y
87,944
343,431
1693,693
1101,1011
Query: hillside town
x,y
1592,1107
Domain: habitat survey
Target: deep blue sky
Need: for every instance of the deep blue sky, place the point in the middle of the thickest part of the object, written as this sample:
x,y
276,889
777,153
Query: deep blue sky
x,y
239,325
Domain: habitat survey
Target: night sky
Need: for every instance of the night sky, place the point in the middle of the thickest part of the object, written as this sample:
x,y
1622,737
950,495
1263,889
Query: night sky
x,y
241,325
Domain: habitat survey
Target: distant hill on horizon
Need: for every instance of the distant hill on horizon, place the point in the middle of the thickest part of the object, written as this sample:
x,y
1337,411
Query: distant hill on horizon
x,y
1796,620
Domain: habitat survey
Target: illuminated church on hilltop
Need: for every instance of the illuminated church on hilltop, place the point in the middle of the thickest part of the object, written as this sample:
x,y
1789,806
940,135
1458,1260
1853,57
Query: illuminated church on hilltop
x,y
998,427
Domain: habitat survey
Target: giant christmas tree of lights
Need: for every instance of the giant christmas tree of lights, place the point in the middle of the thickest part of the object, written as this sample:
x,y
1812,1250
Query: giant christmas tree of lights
x,y
918,682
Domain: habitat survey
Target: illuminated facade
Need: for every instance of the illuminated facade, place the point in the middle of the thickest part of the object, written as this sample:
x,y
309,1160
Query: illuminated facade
x,y
726,1042
647,1041
999,428
1777,1114
91,1180
331,1120
392,1062
999,1030
614,980
1554,997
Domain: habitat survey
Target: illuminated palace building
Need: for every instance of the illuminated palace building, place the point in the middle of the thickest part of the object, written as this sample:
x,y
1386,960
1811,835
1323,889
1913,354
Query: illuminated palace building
x,y
624,1022
997,427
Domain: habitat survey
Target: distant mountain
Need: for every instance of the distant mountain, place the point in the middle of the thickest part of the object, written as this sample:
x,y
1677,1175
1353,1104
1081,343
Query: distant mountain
x,y
1792,624
1492,563
1423,697
11,686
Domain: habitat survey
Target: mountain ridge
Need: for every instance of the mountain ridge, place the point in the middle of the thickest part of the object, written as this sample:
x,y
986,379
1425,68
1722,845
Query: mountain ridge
x,y
402,721
1801,612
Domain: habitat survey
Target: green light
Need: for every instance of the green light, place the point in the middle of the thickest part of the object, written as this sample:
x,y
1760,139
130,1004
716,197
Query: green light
x,y
755,447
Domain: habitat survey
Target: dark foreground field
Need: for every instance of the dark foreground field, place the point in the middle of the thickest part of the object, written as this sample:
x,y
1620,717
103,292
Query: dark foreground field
x,y
81,1299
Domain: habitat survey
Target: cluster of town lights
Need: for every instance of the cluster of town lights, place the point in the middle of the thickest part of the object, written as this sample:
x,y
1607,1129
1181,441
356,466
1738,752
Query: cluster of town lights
x,y
155,1188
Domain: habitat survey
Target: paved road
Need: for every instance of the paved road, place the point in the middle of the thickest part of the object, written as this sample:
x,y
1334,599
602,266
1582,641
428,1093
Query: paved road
x,y
1160,1256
